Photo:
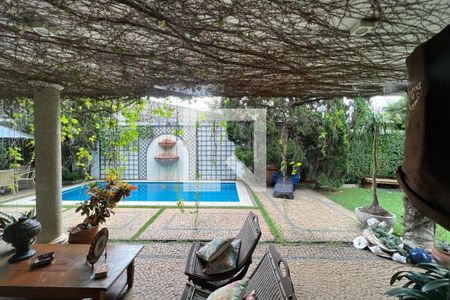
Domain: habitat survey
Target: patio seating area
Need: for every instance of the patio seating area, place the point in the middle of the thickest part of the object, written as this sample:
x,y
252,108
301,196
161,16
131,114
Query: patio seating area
x,y
313,234
154,149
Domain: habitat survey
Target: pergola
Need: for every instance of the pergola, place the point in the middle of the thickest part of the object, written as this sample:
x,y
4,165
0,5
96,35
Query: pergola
x,y
308,50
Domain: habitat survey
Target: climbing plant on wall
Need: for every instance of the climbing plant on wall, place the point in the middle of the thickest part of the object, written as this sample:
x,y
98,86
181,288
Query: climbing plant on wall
x,y
84,123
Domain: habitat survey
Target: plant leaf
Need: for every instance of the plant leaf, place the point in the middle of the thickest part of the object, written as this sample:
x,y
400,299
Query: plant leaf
x,y
435,284
410,293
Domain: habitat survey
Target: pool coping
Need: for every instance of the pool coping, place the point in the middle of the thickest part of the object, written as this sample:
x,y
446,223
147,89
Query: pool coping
x,y
243,193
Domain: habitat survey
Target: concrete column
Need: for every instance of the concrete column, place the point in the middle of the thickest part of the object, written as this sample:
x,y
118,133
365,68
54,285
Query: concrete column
x,y
47,139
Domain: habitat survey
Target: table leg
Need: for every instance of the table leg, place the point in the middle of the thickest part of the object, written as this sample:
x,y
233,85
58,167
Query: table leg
x,y
130,274
100,296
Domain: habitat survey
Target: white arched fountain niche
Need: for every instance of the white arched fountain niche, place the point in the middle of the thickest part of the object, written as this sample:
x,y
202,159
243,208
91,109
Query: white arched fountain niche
x,y
170,171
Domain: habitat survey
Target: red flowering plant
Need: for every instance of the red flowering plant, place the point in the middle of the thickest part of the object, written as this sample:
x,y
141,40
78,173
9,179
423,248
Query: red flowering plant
x,y
103,199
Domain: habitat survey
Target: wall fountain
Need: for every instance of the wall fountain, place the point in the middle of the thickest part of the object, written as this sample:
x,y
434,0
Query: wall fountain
x,y
167,159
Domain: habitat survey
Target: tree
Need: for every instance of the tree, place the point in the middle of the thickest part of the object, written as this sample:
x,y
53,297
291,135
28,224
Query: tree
x,y
334,145
85,123
373,131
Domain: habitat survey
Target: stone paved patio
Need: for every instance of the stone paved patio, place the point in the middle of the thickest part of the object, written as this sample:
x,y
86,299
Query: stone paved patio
x,y
318,271
123,225
328,269
310,217
173,224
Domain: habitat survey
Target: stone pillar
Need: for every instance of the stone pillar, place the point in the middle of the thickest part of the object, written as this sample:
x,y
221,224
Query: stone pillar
x,y
47,139
418,228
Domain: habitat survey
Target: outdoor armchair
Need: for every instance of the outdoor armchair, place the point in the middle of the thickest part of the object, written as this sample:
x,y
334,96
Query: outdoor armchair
x,y
271,280
7,180
25,175
250,234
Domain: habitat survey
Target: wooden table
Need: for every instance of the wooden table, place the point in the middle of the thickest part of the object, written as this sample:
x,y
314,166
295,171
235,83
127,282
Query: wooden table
x,y
69,274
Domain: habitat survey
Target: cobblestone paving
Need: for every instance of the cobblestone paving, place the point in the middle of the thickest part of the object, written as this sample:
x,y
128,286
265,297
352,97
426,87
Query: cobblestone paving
x,y
318,271
310,217
123,225
14,210
173,224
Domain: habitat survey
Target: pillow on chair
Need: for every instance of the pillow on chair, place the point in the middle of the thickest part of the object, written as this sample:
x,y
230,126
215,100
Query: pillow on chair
x,y
226,261
210,251
232,291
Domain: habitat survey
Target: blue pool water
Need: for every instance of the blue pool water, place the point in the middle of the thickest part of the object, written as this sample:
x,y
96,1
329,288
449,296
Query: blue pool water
x,y
170,191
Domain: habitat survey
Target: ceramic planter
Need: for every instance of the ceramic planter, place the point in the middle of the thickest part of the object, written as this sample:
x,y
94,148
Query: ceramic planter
x,y
20,236
80,235
441,257
363,217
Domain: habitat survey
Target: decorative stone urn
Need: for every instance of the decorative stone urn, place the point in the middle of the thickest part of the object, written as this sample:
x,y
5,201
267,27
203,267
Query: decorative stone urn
x,y
21,235
363,217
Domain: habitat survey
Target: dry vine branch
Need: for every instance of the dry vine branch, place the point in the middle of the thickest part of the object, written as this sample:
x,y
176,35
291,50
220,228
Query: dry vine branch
x,y
251,48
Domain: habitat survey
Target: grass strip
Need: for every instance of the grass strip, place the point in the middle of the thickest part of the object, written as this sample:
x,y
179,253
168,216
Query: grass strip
x,y
147,224
270,223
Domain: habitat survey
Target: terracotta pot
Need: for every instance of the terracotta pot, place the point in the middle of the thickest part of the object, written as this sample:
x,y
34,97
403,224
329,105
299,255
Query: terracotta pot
x,y
270,170
441,257
80,235
363,217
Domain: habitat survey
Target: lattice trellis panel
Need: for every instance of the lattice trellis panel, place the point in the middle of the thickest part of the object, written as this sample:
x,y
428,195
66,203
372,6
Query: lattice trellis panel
x,y
213,151
129,164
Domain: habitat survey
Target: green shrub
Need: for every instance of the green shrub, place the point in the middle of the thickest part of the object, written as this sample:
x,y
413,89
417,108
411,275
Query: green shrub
x,y
390,157
68,175
430,282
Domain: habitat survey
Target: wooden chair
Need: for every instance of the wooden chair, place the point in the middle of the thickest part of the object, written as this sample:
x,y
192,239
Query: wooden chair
x,y
271,280
24,174
249,235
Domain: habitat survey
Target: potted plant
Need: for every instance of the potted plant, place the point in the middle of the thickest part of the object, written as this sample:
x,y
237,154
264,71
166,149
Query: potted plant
x,y
100,205
441,253
431,282
20,233
373,129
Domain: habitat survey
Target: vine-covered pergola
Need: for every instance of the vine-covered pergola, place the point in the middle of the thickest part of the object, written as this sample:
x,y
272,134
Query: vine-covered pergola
x,y
310,50
227,47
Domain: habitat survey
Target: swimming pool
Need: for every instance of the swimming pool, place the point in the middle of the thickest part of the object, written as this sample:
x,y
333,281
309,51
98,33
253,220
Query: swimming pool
x,y
223,192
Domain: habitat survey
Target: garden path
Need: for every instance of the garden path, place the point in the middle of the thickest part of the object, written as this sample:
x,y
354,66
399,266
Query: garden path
x,y
310,217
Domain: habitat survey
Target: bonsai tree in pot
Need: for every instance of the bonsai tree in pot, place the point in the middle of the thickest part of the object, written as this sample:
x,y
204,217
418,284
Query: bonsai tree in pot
x,y
100,206
372,131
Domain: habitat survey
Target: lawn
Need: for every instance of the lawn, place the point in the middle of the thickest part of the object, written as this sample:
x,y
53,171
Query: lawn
x,y
391,200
